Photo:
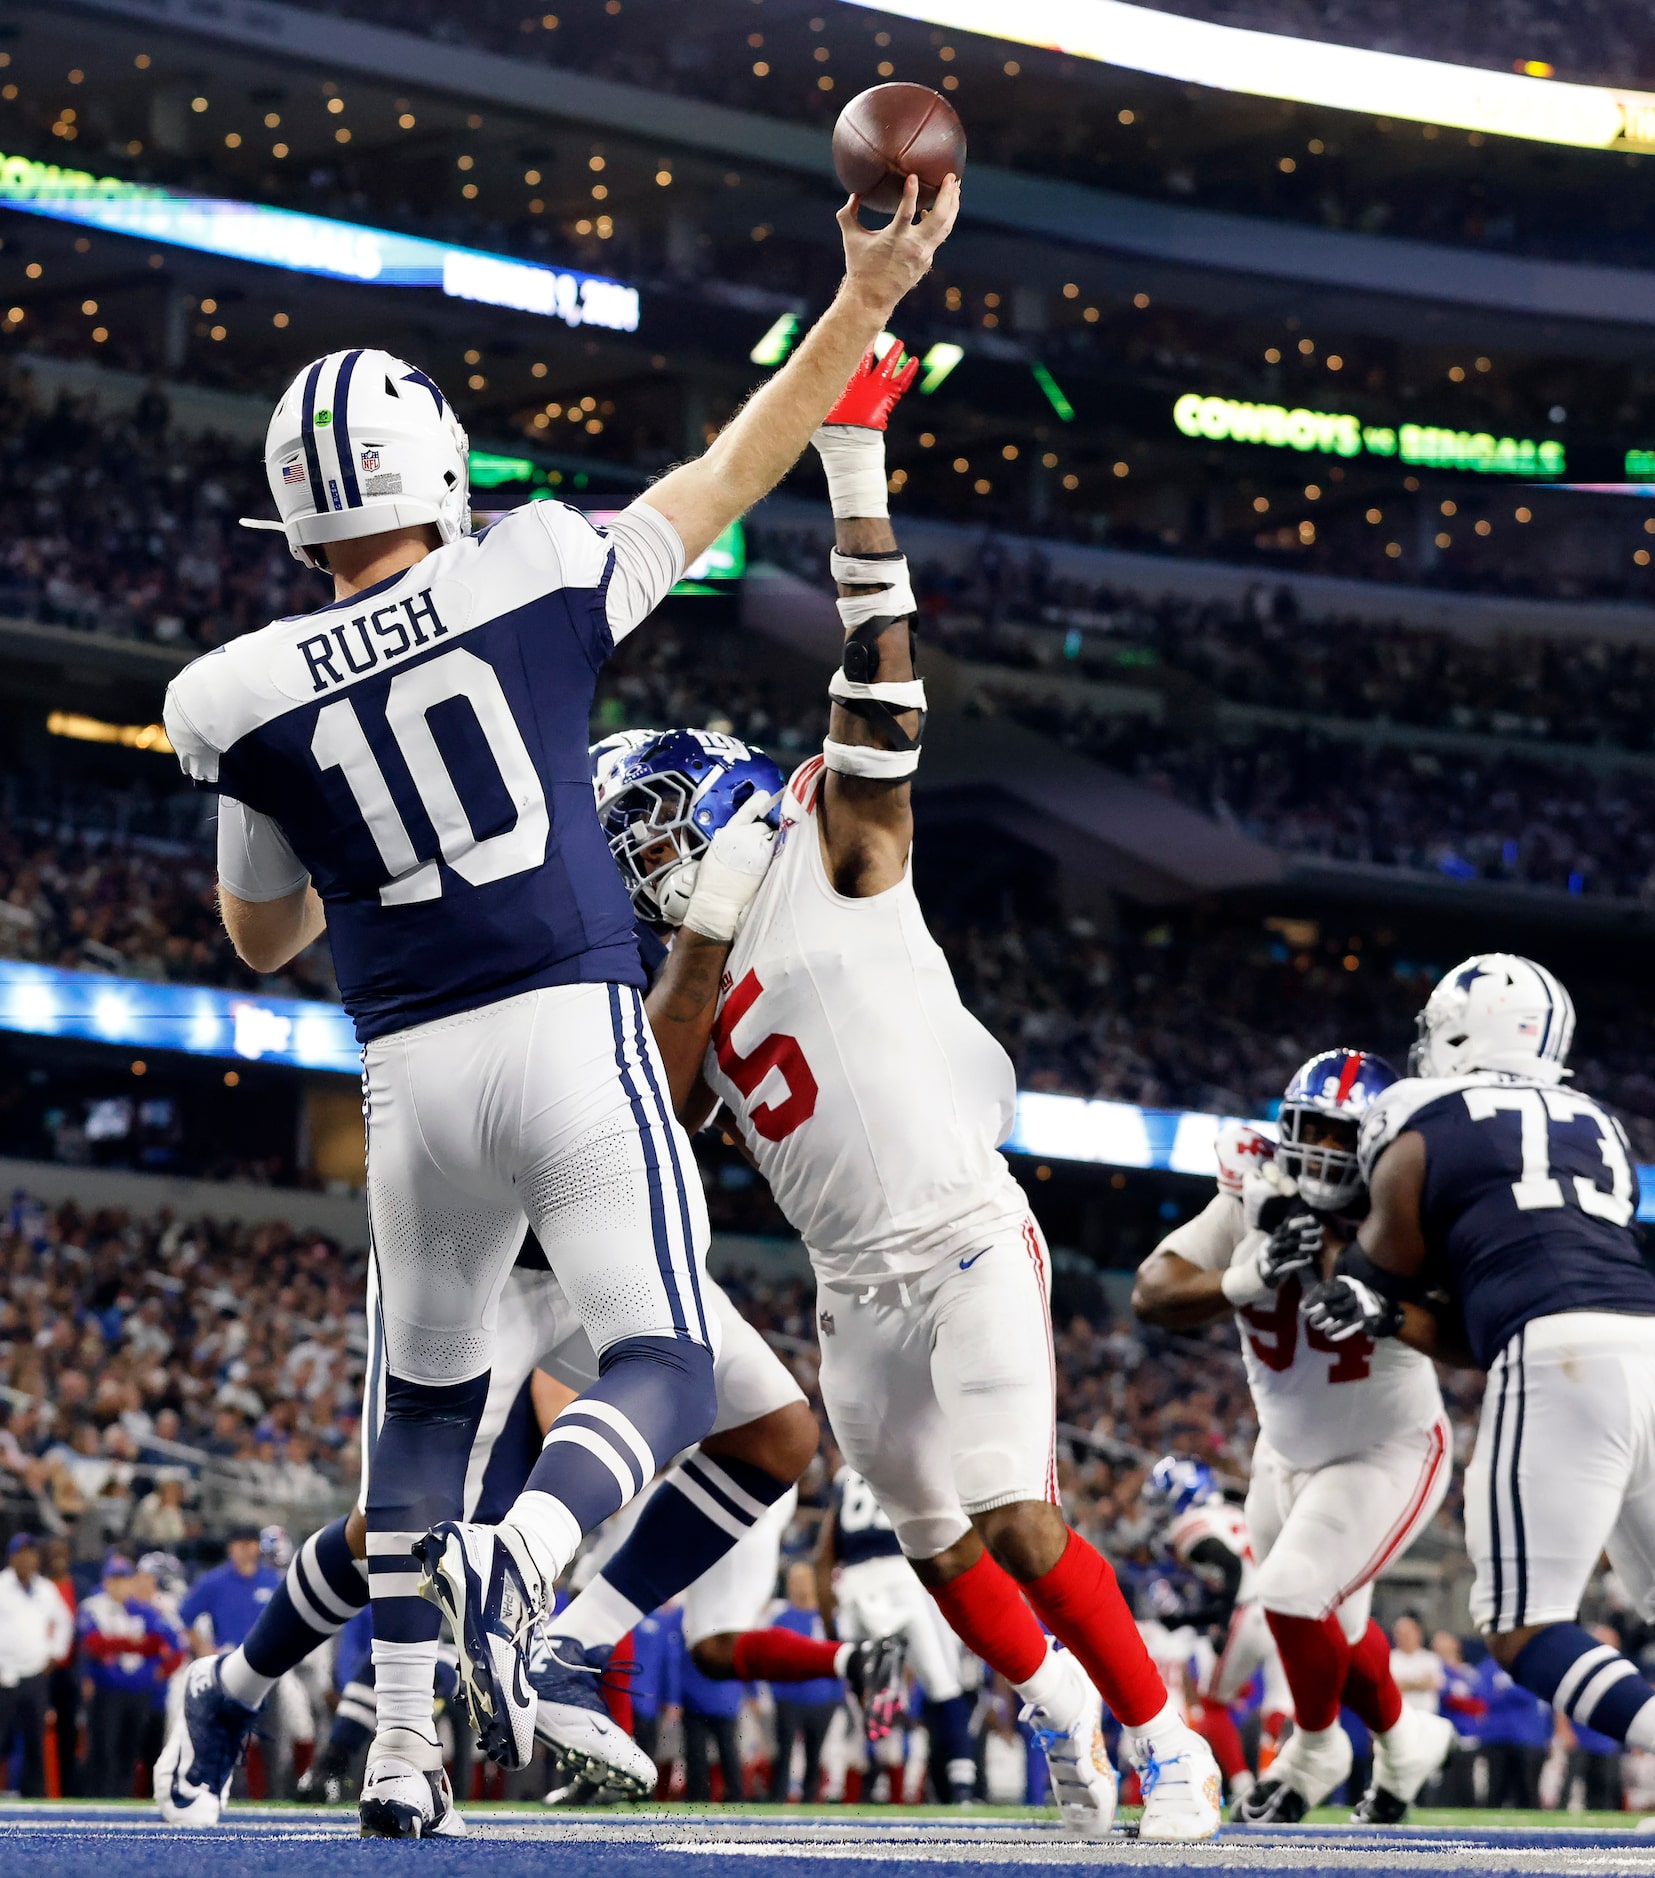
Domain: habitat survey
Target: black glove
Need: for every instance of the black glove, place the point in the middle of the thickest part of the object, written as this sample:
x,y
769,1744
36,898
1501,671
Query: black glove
x,y
1294,1249
1345,1307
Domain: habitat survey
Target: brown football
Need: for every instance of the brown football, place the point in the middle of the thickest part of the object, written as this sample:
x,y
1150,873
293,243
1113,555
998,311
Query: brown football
x,y
890,132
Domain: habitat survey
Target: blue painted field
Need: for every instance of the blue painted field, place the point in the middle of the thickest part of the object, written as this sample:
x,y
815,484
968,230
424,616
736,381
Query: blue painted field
x,y
126,1841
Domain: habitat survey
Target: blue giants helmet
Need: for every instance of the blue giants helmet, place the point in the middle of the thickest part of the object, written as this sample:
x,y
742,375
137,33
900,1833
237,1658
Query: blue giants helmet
x,y
1176,1483
662,802
1321,1115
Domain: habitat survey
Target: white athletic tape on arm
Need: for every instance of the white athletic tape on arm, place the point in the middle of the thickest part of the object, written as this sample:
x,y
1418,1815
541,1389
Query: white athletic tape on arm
x,y
894,598
907,694
862,759
854,458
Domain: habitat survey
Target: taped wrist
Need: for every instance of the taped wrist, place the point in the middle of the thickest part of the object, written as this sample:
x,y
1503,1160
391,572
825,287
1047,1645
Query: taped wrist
x,y
854,458
1243,1284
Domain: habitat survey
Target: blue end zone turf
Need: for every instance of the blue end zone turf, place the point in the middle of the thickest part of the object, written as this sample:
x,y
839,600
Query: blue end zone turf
x,y
114,1841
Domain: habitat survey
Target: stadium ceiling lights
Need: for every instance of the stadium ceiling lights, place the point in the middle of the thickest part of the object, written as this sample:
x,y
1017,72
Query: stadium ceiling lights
x,y
1272,65
314,244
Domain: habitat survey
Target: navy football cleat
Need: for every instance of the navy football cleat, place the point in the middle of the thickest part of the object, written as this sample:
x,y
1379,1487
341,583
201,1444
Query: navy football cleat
x,y
590,1749
193,1771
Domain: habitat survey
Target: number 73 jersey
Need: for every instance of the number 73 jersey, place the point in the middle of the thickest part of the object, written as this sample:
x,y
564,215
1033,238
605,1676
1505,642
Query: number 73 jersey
x,y
870,1099
1528,1201
1317,1401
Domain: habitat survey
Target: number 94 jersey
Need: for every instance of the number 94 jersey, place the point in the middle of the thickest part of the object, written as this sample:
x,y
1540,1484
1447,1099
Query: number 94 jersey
x,y
870,1099
1528,1201
1318,1401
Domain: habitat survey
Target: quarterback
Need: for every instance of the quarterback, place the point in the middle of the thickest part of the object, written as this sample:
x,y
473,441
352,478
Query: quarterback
x,y
406,768
1353,1454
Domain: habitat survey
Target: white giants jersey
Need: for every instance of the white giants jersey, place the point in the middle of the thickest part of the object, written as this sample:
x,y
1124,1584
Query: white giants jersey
x,y
1228,1525
868,1096
1318,1401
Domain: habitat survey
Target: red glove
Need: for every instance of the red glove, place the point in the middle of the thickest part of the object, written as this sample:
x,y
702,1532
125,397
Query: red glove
x,y
874,389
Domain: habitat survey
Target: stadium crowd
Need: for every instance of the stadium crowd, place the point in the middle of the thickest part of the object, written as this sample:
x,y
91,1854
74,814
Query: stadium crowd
x,y
1448,812
139,1356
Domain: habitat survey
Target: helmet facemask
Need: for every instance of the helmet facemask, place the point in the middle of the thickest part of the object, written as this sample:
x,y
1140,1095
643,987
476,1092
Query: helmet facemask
x,y
659,847
1318,1151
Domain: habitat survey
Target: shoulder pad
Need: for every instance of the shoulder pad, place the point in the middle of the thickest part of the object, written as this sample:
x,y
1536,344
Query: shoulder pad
x,y
1396,1108
1242,1148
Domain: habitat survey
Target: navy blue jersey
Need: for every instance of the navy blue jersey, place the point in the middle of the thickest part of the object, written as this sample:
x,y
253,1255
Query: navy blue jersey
x,y
423,747
1528,1201
863,1530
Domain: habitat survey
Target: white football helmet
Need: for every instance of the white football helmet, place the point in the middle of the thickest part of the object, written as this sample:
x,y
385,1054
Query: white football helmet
x,y
1495,1012
362,442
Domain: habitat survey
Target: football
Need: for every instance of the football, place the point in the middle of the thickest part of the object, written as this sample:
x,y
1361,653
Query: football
x,y
890,132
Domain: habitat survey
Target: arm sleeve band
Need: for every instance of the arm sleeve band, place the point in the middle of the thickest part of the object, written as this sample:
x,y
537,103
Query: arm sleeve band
x,y
649,563
255,860
904,694
895,598
862,759
1392,1286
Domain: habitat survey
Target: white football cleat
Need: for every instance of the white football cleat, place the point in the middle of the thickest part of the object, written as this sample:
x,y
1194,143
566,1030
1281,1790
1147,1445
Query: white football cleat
x,y
1183,1790
1303,1774
592,1752
194,1769
405,1791
1083,1777
490,1590
1404,1758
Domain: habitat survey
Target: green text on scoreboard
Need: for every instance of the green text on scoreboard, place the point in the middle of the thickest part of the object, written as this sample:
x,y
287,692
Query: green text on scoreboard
x,y
1337,433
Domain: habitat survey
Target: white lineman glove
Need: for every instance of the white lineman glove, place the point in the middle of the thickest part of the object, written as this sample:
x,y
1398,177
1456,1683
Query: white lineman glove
x,y
727,878
1345,1307
1267,1260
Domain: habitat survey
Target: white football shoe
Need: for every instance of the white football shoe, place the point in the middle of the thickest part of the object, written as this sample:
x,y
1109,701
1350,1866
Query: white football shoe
x,y
1404,1758
1182,1787
1303,1774
1083,1777
194,1769
490,1590
405,1790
